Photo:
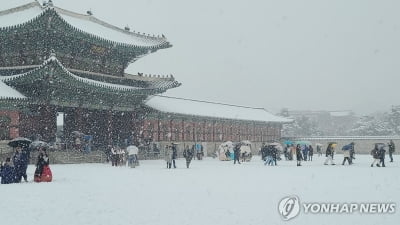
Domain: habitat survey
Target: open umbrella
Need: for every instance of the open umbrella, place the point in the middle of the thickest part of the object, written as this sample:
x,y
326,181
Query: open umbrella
x,y
288,142
333,144
131,149
277,145
347,147
19,141
380,145
37,144
77,133
246,142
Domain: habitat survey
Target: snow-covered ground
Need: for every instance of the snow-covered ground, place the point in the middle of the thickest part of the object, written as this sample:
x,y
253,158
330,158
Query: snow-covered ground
x,y
210,192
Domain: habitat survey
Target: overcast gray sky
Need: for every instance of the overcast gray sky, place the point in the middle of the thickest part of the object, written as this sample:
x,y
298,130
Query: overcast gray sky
x,y
299,54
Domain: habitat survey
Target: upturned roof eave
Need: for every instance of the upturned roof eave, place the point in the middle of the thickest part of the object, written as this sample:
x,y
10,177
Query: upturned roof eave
x,y
164,42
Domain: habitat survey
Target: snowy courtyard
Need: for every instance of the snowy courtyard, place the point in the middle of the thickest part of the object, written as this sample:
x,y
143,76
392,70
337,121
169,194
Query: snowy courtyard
x,y
210,192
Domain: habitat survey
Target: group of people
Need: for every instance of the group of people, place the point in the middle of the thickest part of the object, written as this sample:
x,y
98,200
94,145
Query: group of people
x,y
189,153
269,153
13,170
378,154
304,152
171,154
116,155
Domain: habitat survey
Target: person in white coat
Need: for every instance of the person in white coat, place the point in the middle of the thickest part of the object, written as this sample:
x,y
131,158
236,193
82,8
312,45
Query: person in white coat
x,y
346,155
168,156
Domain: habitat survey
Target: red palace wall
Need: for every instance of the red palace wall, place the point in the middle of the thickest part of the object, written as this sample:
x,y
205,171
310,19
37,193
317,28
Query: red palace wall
x,y
12,128
208,130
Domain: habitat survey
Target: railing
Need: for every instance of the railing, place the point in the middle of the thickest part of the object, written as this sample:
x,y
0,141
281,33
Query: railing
x,y
343,138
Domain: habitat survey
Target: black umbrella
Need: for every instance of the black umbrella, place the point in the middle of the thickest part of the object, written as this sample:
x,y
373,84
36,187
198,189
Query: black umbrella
x,y
19,141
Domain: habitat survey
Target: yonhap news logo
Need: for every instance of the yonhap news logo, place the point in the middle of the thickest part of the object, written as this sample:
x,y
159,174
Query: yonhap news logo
x,y
289,207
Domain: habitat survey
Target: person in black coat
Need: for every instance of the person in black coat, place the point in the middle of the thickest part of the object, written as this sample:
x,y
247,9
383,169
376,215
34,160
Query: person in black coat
x,y
174,154
7,172
352,152
274,154
188,154
382,152
310,153
391,150
19,164
25,157
236,151
299,156
264,152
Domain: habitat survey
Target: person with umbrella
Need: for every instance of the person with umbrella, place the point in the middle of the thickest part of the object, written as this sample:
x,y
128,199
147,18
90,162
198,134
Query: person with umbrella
x,y
346,154
20,162
21,157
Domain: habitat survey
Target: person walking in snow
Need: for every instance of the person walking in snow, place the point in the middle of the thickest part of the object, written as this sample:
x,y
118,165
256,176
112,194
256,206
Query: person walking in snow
x,y
346,156
330,152
299,155
188,154
352,152
391,150
382,152
319,150
7,172
375,156
310,152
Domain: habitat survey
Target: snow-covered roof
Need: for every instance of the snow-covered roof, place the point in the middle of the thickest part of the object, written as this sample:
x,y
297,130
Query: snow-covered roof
x,y
81,79
211,109
85,23
340,113
8,92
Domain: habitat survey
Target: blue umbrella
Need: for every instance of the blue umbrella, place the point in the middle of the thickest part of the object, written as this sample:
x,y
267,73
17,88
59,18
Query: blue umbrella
x,y
347,147
288,142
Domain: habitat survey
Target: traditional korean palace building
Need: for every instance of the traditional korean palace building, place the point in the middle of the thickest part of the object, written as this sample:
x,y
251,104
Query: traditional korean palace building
x,y
53,60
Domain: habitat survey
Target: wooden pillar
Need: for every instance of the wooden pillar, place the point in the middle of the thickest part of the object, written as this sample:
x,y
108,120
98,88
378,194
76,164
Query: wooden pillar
x,y
158,128
204,130
194,132
110,127
213,131
183,130
171,132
